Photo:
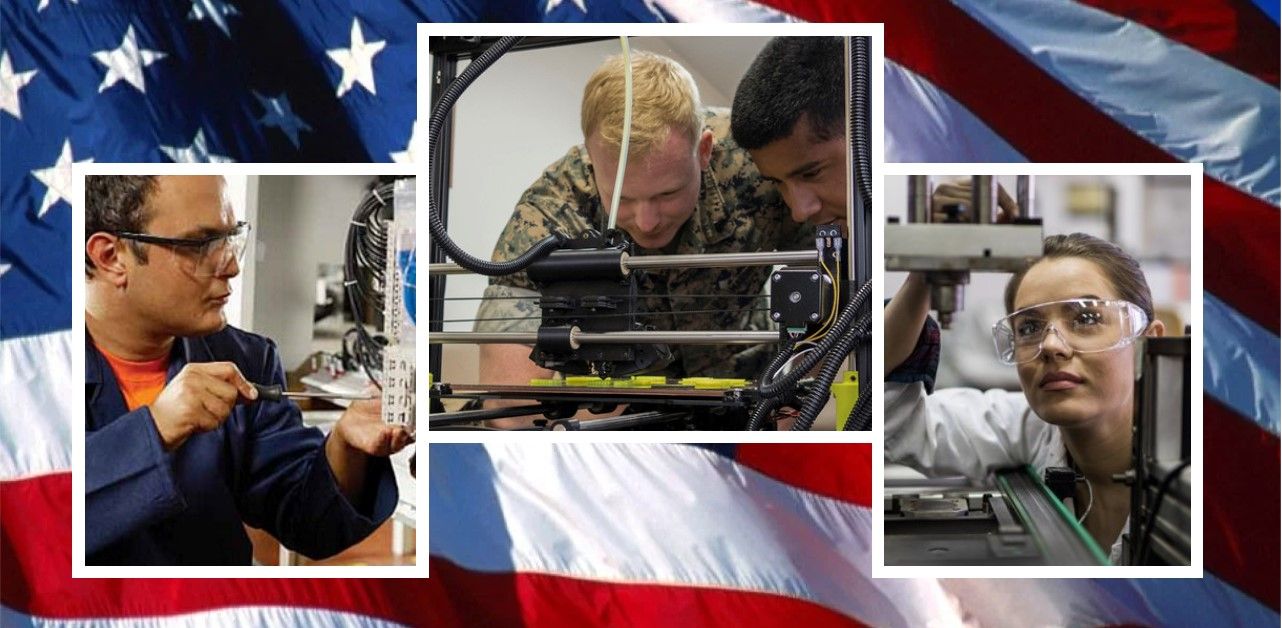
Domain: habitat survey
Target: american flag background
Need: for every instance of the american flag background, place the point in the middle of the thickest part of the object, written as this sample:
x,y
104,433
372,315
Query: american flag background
x,y
641,534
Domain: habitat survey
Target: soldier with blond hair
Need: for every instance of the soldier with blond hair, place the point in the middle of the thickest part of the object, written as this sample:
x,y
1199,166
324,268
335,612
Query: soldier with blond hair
x,y
687,188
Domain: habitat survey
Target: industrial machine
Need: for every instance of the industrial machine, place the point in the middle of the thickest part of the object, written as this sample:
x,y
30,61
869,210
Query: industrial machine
x,y
949,245
1020,522
1161,480
591,329
378,274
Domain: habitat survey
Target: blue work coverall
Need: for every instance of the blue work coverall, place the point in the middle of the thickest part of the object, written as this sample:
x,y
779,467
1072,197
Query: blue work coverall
x,y
146,506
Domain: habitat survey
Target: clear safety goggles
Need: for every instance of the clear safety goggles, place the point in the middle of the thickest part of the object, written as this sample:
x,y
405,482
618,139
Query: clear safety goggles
x,y
1083,325
203,257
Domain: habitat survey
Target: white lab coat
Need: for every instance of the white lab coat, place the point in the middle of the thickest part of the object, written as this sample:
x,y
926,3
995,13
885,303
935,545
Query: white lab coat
x,y
965,431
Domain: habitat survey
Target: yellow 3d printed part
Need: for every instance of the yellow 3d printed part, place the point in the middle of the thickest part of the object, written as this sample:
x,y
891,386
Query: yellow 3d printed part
x,y
846,392
713,383
646,381
587,381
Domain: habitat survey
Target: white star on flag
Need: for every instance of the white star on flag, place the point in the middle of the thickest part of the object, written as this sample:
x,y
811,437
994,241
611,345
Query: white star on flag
x,y
45,3
279,114
4,268
10,83
357,62
196,152
57,179
215,10
407,156
552,4
126,62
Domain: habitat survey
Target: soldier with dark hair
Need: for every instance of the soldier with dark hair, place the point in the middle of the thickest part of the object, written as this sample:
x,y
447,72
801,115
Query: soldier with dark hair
x,y
789,114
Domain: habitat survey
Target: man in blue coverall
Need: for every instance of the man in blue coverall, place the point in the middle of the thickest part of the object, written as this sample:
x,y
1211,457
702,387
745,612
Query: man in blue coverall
x,y
179,452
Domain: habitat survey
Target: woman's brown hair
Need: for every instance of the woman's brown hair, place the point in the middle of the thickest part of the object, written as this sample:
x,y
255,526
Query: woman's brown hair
x,y
1122,270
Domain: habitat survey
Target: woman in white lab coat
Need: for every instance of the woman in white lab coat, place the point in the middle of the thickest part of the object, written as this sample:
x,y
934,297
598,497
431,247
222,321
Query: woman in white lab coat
x,y
1074,315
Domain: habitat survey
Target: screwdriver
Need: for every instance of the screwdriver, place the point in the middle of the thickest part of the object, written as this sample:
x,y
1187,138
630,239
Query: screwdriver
x,y
276,392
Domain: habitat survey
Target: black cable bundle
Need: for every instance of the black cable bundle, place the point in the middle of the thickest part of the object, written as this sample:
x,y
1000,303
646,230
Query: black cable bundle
x,y
1151,520
818,396
768,405
839,341
441,113
860,419
775,387
365,276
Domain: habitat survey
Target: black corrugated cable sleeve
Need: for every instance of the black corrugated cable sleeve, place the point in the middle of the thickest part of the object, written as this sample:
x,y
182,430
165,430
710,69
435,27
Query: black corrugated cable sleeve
x,y
440,113
860,419
762,411
818,396
838,330
766,406
859,114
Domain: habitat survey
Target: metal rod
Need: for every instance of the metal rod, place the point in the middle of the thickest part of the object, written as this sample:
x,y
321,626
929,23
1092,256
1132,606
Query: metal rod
x,y
919,198
616,337
709,260
928,485
466,416
679,337
445,69
631,420
983,198
1024,195
715,260
326,395
674,393
445,268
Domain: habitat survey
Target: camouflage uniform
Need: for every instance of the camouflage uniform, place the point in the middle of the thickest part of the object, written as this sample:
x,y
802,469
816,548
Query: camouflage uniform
x,y
737,211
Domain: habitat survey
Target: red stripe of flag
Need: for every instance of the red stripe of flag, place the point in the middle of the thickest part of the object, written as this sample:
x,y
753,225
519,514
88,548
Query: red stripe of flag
x,y
35,566
35,540
36,557
1021,102
1240,497
1234,31
1241,252
838,470
470,598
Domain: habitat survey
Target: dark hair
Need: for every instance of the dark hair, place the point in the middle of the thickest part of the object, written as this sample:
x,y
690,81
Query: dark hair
x,y
1121,270
791,77
117,203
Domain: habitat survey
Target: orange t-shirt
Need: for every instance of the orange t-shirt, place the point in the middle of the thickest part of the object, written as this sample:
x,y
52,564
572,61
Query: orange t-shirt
x,y
140,382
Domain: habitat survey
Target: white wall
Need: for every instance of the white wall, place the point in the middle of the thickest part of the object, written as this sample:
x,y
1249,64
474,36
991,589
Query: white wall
x,y
237,309
1151,214
302,223
523,113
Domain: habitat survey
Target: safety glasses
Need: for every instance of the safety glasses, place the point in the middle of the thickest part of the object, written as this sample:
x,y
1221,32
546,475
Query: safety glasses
x,y
203,257
1082,325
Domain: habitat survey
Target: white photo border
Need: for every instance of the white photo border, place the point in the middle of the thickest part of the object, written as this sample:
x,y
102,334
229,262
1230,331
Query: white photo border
x,y
79,569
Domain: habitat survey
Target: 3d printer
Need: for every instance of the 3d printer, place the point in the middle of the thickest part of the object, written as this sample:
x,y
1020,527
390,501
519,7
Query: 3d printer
x,y
591,330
